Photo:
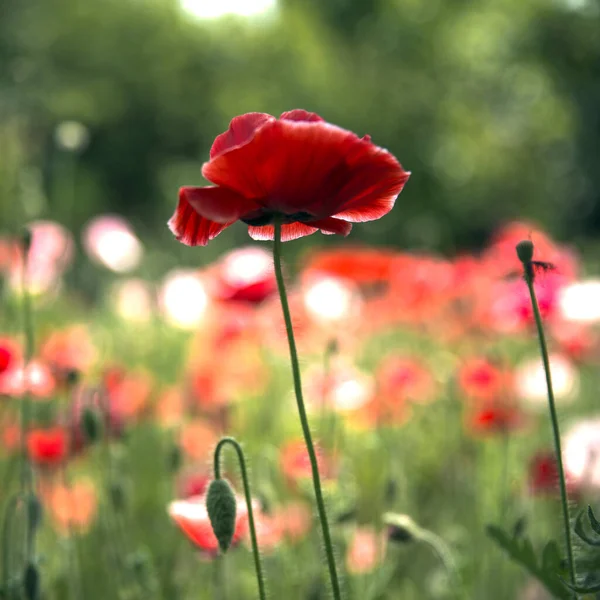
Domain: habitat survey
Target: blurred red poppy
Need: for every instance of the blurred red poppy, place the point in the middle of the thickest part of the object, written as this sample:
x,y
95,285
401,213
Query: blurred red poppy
x,y
495,418
480,379
365,266
543,475
295,462
312,174
9,353
48,447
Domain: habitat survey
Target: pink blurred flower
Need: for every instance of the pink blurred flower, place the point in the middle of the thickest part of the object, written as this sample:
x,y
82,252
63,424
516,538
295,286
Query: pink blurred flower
x,y
36,379
73,507
245,275
68,350
366,551
133,300
110,241
50,253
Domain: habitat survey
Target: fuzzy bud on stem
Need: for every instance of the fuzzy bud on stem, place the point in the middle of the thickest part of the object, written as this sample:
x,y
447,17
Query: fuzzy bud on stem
x,y
221,507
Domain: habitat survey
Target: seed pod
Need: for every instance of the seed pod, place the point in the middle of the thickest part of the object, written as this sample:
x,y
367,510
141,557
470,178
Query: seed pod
x,y
525,251
221,507
91,424
174,459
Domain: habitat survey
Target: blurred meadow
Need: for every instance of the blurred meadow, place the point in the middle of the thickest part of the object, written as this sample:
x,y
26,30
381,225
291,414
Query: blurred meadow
x,y
420,361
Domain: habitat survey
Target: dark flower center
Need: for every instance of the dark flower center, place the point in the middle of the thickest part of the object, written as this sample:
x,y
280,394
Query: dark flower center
x,y
261,217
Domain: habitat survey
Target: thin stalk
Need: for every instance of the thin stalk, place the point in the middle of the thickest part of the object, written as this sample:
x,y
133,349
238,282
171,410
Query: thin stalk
x,y
217,468
439,547
302,413
9,518
26,467
529,276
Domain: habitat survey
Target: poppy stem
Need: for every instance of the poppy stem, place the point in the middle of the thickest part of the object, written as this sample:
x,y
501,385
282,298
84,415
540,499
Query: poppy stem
x,y
26,467
525,253
217,469
302,412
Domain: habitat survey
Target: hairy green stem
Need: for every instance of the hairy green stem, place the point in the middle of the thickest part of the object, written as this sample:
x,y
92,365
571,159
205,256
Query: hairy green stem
x,y
217,468
529,276
302,412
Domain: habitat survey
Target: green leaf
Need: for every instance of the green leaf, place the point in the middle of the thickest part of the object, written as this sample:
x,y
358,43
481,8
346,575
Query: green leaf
x,y
551,557
580,531
593,521
583,589
521,551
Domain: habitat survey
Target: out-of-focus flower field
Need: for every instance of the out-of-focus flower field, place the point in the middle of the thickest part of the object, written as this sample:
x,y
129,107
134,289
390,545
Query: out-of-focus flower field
x,y
424,384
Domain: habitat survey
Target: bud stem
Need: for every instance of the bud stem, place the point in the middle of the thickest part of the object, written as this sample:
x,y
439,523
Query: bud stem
x,y
553,418
217,469
302,412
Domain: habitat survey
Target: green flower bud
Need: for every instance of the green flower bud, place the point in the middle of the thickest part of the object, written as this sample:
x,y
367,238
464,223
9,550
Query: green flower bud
x,y
91,424
26,238
221,507
34,512
117,495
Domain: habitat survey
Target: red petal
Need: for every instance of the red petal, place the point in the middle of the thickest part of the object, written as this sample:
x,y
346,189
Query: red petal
x,y
217,204
289,231
377,179
192,229
311,166
290,165
330,226
240,132
299,114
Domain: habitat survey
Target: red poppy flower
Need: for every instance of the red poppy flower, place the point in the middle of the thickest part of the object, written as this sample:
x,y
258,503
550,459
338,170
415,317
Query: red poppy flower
x,y
47,447
310,173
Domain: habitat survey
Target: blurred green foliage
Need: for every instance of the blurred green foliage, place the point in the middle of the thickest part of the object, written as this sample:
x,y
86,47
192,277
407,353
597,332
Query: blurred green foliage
x,y
492,104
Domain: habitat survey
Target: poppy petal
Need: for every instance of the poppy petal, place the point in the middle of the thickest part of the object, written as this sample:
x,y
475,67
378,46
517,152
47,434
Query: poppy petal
x,y
292,166
240,132
289,231
371,192
190,228
216,203
300,115
331,226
